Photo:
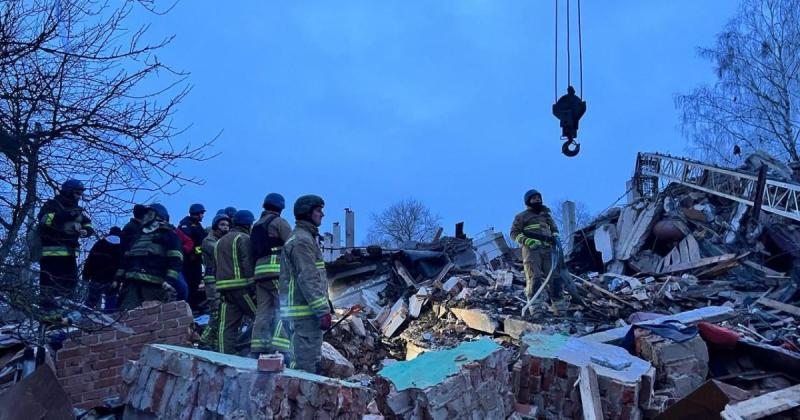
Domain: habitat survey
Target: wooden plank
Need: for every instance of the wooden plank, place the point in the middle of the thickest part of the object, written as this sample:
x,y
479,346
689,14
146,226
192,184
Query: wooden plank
x,y
785,307
694,248
402,271
624,227
766,270
764,405
590,394
703,262
683,249
709,313
641,228
437,281
602,291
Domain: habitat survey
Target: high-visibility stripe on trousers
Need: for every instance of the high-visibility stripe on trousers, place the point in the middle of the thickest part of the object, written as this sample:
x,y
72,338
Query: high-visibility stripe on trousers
x,y
235,305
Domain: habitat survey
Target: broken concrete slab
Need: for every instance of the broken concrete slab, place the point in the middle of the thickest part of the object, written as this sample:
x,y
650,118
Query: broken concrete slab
x,y
333,364
469,381
763,405
395,318
549,366
416,302
180,382
476,319
516,328
681,367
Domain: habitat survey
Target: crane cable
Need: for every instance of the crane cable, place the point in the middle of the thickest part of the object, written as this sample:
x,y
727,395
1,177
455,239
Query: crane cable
x,y
569,49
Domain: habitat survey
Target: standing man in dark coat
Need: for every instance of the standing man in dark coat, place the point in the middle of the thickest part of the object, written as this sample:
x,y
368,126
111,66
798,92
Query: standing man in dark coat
x,y
100,268
192,227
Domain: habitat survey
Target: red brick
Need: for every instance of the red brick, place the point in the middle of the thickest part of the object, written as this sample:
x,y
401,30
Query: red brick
x,y
110,372
536,366
143,320
108,382
72,370
106,336
69,354
561,368
108,363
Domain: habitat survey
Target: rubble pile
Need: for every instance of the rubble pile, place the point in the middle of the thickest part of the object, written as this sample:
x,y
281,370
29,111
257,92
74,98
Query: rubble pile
x,y
181,382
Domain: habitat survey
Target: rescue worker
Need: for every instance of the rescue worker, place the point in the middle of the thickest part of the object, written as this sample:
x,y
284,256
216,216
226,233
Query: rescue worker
x,y
220,225
535,231
131,229
100,268
269,234
234,265
61,223
192,227
152,264
230,211
304,286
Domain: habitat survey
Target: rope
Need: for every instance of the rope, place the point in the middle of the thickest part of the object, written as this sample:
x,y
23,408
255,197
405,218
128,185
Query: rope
x,y
580,46
569,53
555,51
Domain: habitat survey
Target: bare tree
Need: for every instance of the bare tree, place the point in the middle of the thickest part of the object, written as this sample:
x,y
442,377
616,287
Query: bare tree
x,y
82,96
403,221
754,102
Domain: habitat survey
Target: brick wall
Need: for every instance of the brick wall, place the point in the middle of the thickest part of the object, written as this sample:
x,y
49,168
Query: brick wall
x,y
89,365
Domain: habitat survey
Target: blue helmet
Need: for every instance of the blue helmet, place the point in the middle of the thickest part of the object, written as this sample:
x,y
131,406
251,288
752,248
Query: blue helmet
x,y
274,201
71,185
160,211
530,194
230,211
196,208
218,218
243,218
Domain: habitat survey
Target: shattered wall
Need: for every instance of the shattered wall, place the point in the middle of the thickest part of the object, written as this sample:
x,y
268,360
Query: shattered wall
x,y
89,365
469,381
179,382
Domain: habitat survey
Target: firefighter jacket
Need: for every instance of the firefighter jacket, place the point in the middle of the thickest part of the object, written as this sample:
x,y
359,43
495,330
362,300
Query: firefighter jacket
x,y
103,262
534,225
129,232
233,260
60,223
269,234
208,255
154,256
303,281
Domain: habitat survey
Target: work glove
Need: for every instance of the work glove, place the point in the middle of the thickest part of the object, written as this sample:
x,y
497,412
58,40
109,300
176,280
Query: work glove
x,y
325,322
532,243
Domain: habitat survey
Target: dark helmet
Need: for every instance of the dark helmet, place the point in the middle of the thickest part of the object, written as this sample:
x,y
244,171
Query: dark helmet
x,y
218,218
305,205
196,208
570,90
139,210
72,185
160,211
230,211
274,201
243,218
530,194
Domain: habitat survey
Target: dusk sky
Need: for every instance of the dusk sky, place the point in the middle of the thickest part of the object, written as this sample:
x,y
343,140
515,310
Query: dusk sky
x,y
367,102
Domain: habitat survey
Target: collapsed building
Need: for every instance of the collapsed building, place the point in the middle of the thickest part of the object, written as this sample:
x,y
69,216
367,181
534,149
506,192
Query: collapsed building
x,y
681,303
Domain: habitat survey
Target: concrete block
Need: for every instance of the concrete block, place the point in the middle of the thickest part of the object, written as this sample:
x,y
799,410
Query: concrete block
x,y
476,319
335,365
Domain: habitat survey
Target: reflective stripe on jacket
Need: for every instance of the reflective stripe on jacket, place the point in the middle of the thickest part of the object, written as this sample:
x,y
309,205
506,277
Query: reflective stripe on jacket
x,y
233,260
303,280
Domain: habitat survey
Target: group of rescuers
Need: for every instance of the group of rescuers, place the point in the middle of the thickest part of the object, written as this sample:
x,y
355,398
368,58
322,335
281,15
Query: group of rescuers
x,y
261,269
